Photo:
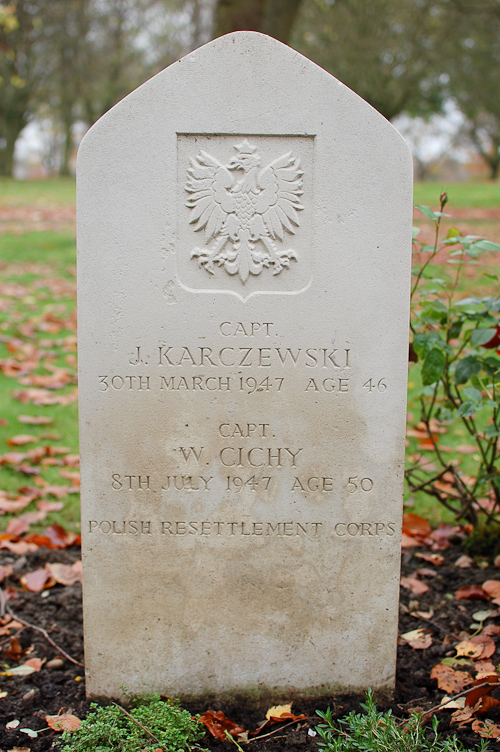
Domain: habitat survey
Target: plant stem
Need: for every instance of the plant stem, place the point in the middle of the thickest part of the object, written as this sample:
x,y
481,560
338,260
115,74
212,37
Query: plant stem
x,y
137,722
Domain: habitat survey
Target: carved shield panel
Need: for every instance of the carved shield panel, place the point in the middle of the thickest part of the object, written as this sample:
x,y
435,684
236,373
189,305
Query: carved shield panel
x,y
244,214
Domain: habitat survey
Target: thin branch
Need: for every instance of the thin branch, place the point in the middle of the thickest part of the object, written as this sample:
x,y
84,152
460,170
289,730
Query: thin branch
x,y
45,634
431,480
256,738
137,722
460,694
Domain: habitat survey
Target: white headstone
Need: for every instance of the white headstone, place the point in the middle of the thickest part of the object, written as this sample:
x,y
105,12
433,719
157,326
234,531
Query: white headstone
x,y
244,262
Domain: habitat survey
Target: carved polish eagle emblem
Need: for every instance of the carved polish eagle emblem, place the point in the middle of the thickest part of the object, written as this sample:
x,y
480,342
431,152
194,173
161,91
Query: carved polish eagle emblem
x,y
245,209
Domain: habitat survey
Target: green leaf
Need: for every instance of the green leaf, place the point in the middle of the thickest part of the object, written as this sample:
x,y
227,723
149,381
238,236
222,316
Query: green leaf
x,y
453,233
481,335
427,212
466,368
433,366
425,341
492,305
486,245
437,305
490,403
473,394
467,409
415,232
455,329
453,662
491,431
469,301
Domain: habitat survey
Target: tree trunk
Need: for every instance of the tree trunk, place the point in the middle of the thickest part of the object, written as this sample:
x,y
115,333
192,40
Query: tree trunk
x,y
13,127
280,17
238,15
494,168
273,17
64,169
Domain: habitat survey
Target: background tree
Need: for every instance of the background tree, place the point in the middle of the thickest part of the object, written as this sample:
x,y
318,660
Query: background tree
x,y
21,71
387,51
67,30
473,67
273,17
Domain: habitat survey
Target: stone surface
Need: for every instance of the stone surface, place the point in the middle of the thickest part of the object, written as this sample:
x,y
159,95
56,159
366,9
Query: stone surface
x,y
244,261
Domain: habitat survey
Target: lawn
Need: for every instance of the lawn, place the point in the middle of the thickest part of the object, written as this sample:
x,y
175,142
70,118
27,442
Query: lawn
x,y
51,192
38,408
472,195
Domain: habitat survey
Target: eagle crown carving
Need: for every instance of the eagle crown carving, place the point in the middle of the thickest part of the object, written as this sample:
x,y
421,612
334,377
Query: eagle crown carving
x,y
245,209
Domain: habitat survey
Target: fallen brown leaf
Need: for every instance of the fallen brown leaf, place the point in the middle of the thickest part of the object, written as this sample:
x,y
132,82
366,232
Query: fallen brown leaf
x,y
35,663
436,559
471,592
416,586
450,680
18,548
45,505
480,692
486,729
8,506
484,668
17,527
15,650
444,534
35,420
407,541
492,587
491,630
418,639
280,713
63,722
413,524
462,717
469,649
486,643
217,724
21,439
37,580
464,562
65,574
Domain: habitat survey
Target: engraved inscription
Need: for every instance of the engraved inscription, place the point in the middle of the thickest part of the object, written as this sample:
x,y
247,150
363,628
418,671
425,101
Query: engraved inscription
x,y
234,529
236,483
258,456
361,529
374,385
325,485
243,430
354,484
261,357
187,483
130,482
229,329
277,529
245,209
120,527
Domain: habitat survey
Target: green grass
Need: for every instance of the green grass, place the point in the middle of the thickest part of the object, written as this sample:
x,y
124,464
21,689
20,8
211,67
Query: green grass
x,y
49,192
482,195
38,295
53,248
